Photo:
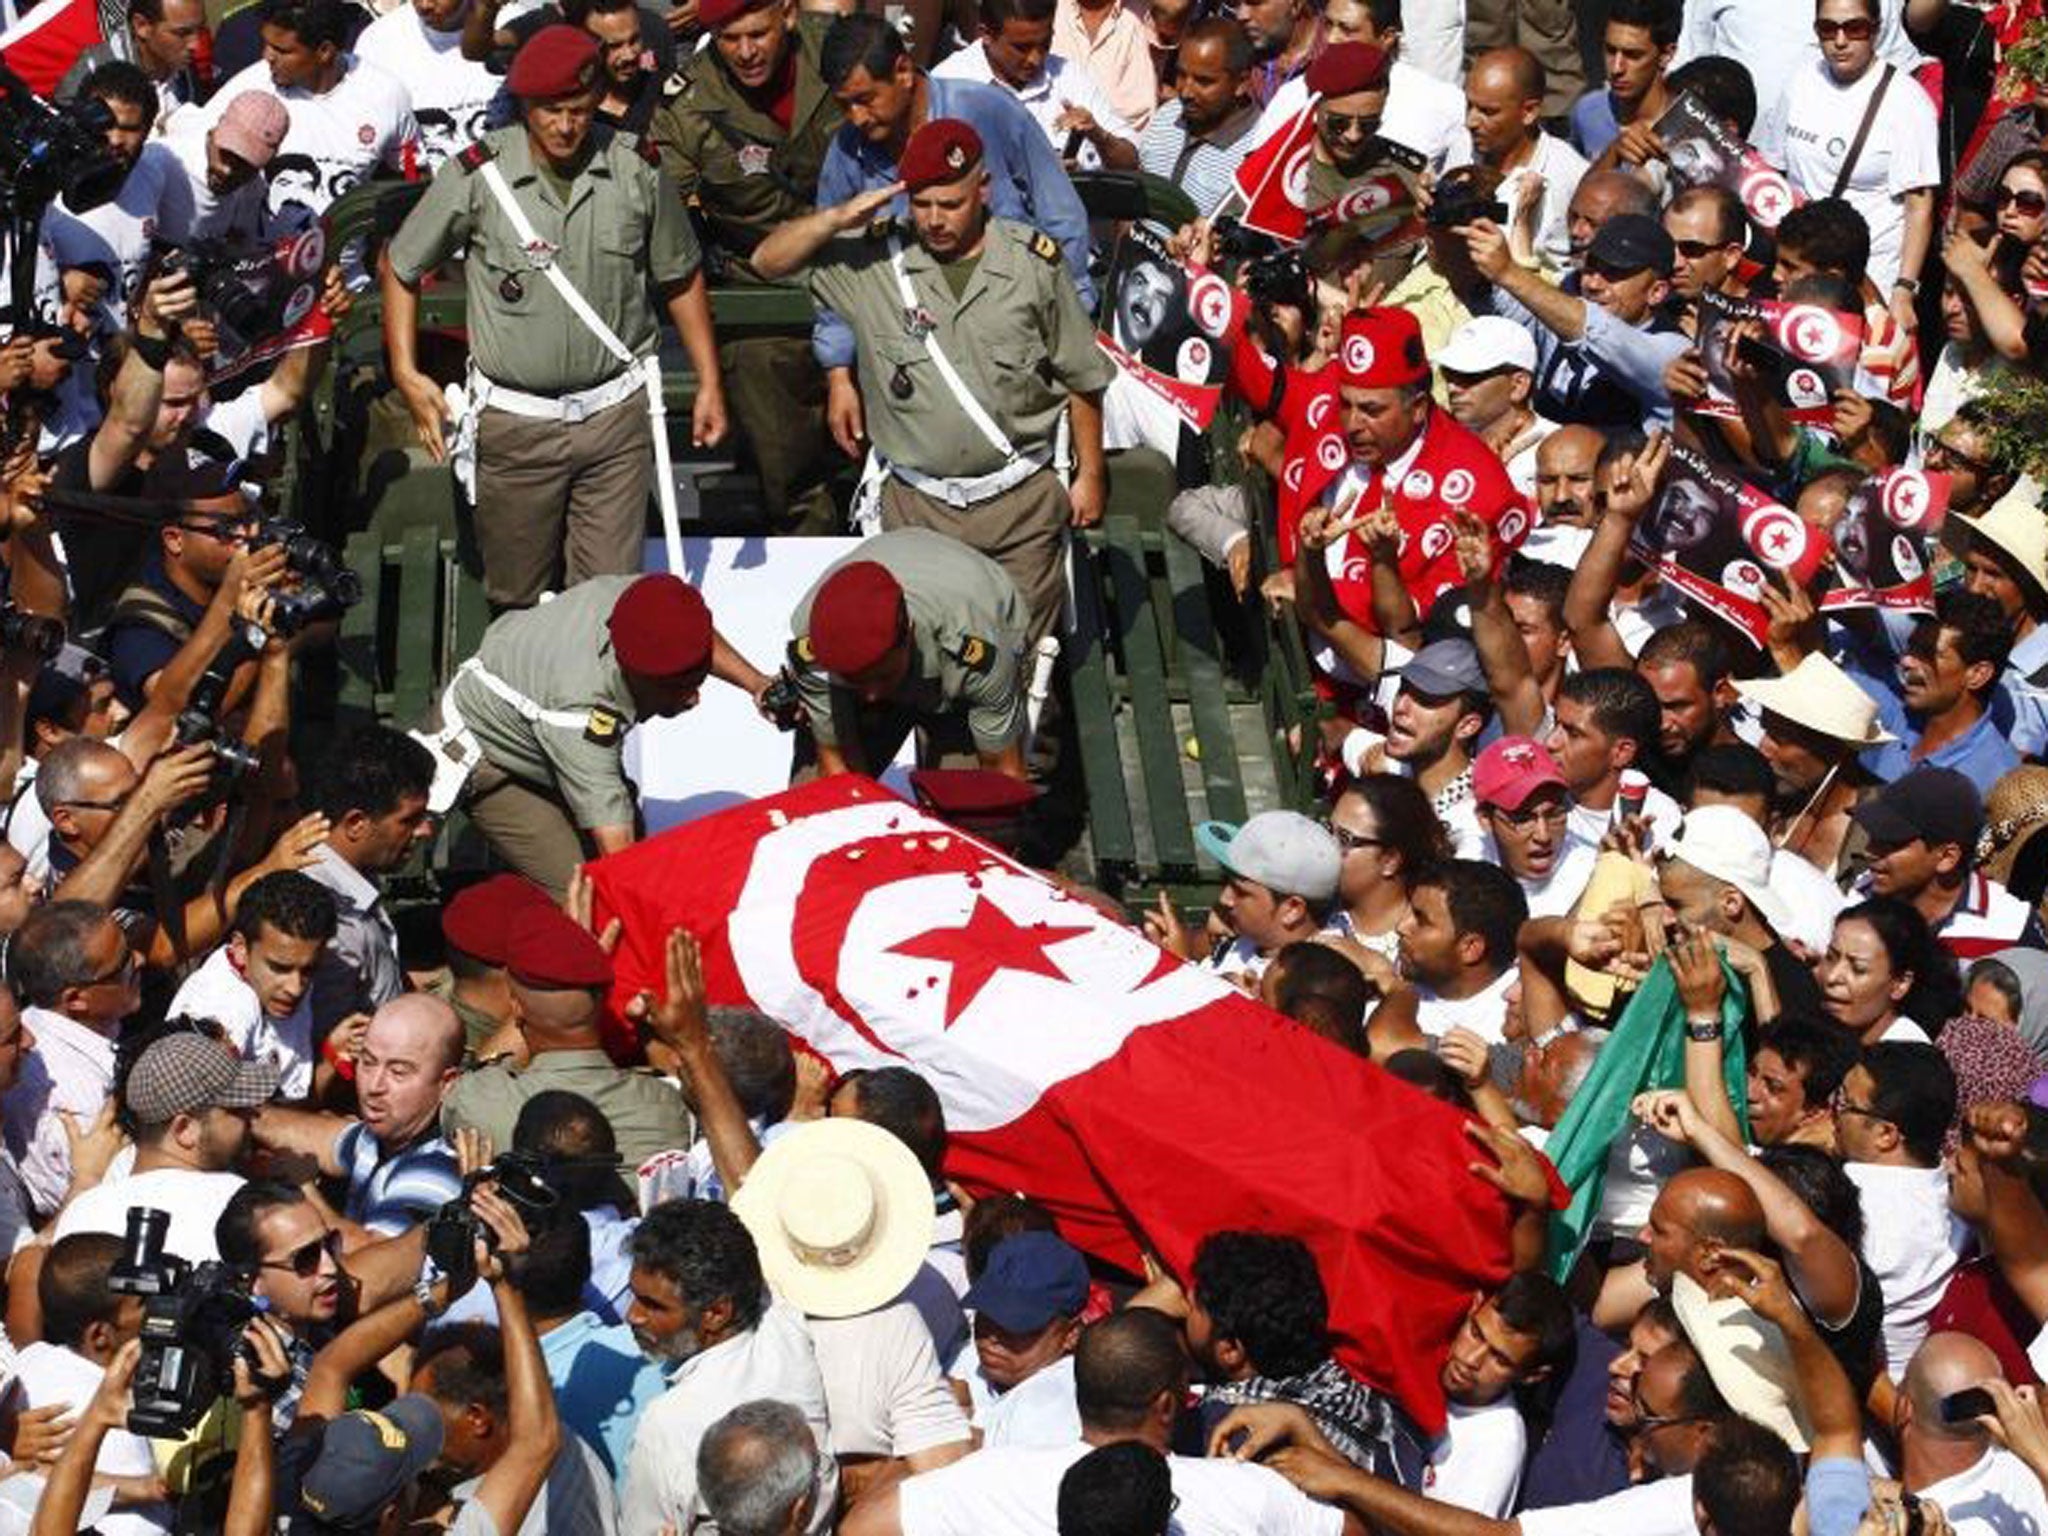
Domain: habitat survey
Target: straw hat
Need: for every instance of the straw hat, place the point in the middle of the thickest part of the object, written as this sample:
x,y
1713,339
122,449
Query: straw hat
x,y
842,1214
2016,528
1747,1357
1822,697
2014,811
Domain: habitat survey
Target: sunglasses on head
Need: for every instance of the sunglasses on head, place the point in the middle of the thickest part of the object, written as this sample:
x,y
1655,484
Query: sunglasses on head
x,y
2032,204
304,1260
1857,29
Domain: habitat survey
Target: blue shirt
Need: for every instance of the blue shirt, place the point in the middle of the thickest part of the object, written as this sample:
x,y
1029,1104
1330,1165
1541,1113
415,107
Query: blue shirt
x,y
602,1384
1594,125
393,1192
1837,1495
2020,706
1981,754
1612,376
1026,182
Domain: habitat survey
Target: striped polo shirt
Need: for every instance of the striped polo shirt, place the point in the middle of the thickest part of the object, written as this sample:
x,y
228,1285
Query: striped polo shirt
x,y
393,1191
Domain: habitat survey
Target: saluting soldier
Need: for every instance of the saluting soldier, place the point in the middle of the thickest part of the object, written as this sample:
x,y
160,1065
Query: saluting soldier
x,y
532,724
565,227
743,131
912,630
972,342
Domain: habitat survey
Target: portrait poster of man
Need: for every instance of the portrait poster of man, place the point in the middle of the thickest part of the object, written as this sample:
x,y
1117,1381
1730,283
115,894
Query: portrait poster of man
x,y
1881,542
1805,352
1171,325
1703,153
1717,539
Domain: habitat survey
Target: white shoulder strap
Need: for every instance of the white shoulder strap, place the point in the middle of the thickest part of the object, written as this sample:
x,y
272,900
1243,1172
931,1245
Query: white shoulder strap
x,y
983,422
523,228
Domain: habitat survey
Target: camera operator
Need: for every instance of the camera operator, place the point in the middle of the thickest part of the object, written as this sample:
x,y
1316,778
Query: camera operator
x,y
189,1097
88,1355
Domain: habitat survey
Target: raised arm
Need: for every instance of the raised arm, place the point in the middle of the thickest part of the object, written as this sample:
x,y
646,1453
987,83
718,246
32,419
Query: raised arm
x,y
1824,1389
1588,603
139,384
679,1021
1503,654
509,1488
792,245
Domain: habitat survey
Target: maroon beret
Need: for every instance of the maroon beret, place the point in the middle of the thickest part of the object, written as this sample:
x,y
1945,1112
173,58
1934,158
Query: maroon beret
x,y
943,150
856,618
556,61
548,951
713,14
479,919
1343,68
660,627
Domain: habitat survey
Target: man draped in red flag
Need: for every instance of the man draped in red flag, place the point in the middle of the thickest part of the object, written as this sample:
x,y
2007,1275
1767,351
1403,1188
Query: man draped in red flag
x,y
1143,1100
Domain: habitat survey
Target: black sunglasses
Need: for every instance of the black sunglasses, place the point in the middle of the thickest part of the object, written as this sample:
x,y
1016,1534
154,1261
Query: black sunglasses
x,y
304,1260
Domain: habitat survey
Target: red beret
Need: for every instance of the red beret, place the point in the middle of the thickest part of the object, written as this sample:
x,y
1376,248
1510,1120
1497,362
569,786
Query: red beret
x,y
556,61
479,919
713,14
943,150
660,627
549,952
1343,68
1381,349
856,617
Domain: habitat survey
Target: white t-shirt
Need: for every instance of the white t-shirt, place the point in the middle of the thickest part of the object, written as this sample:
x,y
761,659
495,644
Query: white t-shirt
x,y
1811,897
1663,813
1902,153
1556,893
1996,1496
1560,166
1012,1491
450,94
1061,84
1476,1462
1913,1242
120,234
1485,1013
883,1389
49,1374
1662,1508
1433,39
237,214
335,140
193,1199
1038,1411
217,991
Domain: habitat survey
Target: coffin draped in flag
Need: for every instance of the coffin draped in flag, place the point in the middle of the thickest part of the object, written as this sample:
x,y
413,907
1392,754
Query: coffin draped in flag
x,y
1133,1094
44,44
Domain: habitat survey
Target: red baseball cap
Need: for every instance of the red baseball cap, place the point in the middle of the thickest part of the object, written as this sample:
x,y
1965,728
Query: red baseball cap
x,y
1511,770
560,60
478,921
856,618
1381,349
549,952
660,627
944,149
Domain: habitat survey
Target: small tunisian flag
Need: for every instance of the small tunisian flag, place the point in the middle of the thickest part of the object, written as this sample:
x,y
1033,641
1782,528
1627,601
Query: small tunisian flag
x,y
1133,1094
1273,178
44,44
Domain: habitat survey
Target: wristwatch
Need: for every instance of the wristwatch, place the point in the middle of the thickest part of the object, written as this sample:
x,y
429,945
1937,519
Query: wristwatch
x,y
423,1293
1910,284
1702,1030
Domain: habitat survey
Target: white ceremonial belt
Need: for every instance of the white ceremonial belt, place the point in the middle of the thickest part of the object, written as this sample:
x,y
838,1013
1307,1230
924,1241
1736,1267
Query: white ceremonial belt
x,y
577,405
971,489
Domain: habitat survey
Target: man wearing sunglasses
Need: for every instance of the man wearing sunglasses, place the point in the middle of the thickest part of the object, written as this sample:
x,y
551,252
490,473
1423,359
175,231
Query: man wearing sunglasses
x,y
190,1097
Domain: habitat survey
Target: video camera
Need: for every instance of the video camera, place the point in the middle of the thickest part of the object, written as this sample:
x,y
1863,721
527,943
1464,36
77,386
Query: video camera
x,y
1457,202
36,633
453,1229
46,150
192,1322
327,587
243,284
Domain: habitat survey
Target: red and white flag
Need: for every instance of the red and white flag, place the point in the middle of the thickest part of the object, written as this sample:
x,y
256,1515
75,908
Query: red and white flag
x,y
44,44
1135,1095
1273,178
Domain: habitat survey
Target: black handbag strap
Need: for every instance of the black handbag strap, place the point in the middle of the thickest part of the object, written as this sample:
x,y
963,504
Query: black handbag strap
x,y
1884,83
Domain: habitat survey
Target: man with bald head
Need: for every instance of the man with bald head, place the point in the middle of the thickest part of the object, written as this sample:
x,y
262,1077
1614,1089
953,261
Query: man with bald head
x,y
399,1169
1504,113
558,977
1982,1488
1600,196
1567,463
1696,1211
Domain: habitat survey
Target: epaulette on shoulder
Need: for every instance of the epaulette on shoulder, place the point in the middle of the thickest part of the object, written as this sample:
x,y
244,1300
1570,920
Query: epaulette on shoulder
x,y
1045,248
676,83
881,229
477,156
975,653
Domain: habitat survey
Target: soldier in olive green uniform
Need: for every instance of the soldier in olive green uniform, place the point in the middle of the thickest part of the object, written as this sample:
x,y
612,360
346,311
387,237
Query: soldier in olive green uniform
x,y
558,428
911,630
964,382
532,725
743,131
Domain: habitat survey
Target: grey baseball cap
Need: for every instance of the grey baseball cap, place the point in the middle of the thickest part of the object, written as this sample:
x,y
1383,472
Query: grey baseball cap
x,y
1443,668
1281,850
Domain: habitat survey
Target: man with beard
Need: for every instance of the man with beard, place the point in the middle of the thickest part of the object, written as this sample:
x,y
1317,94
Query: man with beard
x,y
743,132
1458,947
700,1304
1197,139
1948,679
1687,667
2004,552
224,167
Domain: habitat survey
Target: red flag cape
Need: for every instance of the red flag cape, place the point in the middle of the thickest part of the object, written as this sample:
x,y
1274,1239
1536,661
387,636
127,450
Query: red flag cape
x,y
1134,1095
44,44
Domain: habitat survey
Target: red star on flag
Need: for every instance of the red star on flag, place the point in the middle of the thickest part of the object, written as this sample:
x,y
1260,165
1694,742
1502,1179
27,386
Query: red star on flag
x,y
992,941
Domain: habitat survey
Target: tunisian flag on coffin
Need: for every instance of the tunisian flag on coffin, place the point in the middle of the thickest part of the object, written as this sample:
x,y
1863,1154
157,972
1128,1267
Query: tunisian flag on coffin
x,y
1133,1094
